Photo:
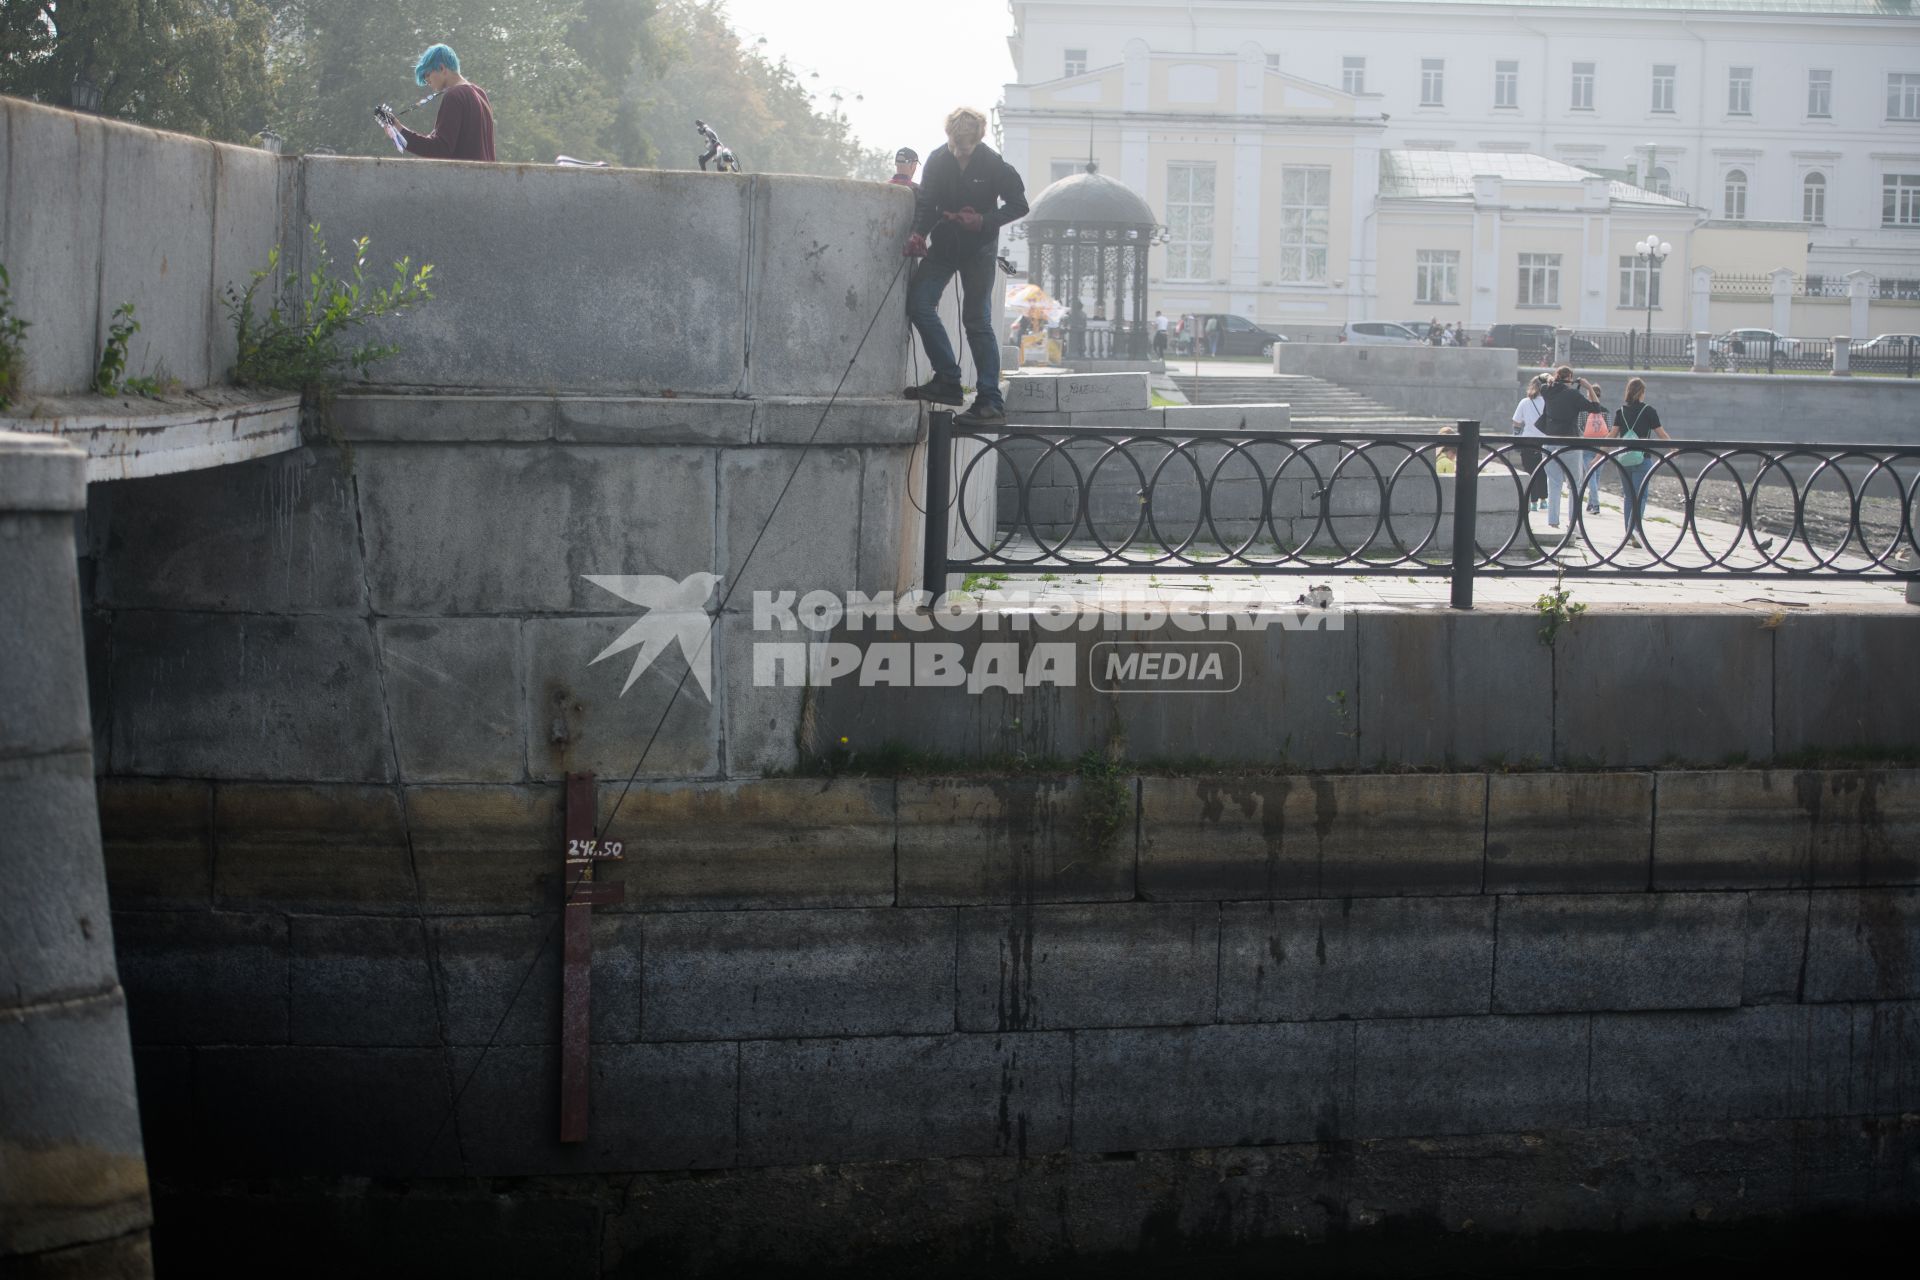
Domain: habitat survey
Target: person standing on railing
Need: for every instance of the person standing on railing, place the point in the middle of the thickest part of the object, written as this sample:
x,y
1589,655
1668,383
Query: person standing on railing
x,y
1568,400
1637,420
1526,424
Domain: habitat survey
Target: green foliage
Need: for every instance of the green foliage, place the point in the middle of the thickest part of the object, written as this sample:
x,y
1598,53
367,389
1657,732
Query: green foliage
x,y
1554,610
109,375
190,65
302,340
1106,799
13,342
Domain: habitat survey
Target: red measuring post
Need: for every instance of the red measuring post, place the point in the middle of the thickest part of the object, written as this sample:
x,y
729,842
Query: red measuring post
x,y
581,851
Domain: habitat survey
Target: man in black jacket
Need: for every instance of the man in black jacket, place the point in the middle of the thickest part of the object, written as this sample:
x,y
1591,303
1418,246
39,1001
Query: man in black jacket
x,y
966,195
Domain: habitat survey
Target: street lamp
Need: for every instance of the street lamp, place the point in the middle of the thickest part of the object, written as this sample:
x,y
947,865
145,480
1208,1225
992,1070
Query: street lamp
x,y
1653,251
85,94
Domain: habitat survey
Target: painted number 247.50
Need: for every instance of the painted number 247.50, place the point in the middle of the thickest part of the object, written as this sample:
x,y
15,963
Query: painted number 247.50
x,y
595,849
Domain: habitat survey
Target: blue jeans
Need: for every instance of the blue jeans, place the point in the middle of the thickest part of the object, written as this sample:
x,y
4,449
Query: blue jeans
x,y
924,290
1575,466
1636,494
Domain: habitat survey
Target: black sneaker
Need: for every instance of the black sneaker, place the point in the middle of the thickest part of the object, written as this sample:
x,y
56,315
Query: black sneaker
x,y
982,415
938,391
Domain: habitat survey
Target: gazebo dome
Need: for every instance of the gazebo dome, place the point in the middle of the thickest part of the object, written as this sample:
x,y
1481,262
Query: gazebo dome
x,y
1090,198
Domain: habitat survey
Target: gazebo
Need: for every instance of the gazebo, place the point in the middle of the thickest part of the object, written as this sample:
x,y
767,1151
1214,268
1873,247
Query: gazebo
x,y
1087,238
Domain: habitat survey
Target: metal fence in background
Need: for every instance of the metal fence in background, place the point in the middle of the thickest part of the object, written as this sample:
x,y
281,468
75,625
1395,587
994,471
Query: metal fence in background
x,y
1112,501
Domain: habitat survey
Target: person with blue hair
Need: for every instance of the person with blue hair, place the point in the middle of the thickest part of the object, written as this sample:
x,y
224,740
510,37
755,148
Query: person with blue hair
x,y
464,128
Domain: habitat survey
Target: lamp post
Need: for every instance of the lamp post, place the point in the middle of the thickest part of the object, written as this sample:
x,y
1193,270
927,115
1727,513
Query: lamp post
x,y
1652,251
85,94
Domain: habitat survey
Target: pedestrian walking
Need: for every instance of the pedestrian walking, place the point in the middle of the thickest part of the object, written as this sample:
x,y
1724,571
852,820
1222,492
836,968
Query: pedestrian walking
x,y
1594,427
1636,420
1160,325
1526,424
1568,401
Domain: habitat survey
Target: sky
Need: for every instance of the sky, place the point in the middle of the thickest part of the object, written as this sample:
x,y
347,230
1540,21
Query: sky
x,y
911,63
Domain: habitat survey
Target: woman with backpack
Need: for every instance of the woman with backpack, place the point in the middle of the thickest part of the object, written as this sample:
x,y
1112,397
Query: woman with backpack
x,y
1526,424
1636,420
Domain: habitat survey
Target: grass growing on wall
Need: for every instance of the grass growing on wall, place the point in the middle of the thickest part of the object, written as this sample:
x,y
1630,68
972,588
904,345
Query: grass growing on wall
x,y
13,341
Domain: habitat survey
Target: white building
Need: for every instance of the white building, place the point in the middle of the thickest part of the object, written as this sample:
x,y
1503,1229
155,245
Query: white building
x,y
1801,114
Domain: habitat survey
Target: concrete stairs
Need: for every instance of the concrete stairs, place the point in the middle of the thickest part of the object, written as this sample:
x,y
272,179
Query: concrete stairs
x,y
1318,405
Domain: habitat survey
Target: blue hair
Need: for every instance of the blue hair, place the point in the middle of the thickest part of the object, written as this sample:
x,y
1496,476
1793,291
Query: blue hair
x,y
433,59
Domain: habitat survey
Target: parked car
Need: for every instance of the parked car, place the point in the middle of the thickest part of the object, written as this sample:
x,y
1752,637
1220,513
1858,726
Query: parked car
x,y
1888,351
1381,333
1753,343
1225,334
1532,341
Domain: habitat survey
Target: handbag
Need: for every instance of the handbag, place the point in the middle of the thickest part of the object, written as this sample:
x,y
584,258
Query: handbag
x,y
1633,457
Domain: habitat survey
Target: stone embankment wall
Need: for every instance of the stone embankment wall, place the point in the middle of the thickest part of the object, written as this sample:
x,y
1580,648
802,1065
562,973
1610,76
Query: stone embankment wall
x,y
1480,1003
1481,383
73,1180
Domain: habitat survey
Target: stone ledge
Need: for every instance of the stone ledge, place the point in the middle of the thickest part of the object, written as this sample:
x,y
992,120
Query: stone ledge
x,y
132,438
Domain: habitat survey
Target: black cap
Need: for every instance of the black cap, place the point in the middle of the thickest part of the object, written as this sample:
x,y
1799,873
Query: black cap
x,y
906,154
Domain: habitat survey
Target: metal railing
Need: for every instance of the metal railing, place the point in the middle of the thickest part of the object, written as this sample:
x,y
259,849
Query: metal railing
x,y
1632,349
1111,501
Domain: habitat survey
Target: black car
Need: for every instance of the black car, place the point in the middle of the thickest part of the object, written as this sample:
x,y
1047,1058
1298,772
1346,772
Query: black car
x,y
1224,334
1534,342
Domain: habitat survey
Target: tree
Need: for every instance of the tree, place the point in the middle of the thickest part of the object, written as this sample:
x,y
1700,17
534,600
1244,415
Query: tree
x,y
198,66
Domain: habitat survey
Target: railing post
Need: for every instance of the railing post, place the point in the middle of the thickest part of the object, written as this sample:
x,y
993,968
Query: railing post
x,y
1842,351
939,496
1466,513
1910,346
1702,352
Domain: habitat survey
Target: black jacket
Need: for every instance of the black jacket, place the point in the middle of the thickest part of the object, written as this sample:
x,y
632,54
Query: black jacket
x,y
988,185
1565,409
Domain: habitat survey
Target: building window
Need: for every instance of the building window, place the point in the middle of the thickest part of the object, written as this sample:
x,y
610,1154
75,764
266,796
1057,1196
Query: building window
x,y
1662,181
1734,200
1436,276
1819,95
1433,82
1189,222
1900,200
1813,199
1353,75
1903,95
1663,73
1506,84
1583,86
1739,91
1539,279
1076,62
1273,62
1059,169
1636,281
1304,222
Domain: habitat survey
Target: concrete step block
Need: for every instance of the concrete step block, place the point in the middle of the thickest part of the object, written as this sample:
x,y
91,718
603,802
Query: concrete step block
x,y
1027,967
1620,951
904,1097
759,975
1356,958
1083,392
1031,393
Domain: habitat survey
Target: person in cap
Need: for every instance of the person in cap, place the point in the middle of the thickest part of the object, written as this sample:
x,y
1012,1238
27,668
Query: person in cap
x,y
464,128
968,195
906,163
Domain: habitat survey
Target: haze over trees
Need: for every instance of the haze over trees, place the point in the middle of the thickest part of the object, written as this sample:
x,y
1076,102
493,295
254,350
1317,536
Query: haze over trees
x,y
616,80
